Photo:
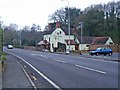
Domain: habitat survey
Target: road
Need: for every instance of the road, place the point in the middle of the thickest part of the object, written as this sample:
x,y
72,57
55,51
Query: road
x,y
50,70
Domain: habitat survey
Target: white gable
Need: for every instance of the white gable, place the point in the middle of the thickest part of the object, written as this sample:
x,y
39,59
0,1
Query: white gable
x,y
109,41
58,36
58,32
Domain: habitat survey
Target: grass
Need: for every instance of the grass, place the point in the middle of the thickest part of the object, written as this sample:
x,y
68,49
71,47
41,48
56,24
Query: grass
x,y
2,60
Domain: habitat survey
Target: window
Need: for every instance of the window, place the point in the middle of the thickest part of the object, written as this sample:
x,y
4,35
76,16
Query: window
x,y
49,39
87,45
110,43
60,32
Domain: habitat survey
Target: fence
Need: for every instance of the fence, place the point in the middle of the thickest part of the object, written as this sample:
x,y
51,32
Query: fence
x,y
115,48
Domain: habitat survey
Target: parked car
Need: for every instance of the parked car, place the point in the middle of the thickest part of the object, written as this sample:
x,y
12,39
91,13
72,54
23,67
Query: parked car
x,y
101,50
9,46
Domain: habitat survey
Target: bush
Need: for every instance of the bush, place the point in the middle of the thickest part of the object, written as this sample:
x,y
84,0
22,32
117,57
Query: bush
x,y
3,56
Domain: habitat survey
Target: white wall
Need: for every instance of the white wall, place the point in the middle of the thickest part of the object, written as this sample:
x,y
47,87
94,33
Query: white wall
x,y
72,47
59,36
46,37
67,37
84,47
108,41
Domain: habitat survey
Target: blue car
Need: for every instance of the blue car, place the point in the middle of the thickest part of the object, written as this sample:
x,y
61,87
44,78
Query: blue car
x,y
101,50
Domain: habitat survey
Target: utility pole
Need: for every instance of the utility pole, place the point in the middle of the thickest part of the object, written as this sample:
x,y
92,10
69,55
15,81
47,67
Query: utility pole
x,y
20,40
81,25
68,23
20,37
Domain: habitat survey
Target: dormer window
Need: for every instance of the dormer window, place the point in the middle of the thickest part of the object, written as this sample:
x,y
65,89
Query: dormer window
x,y
49,39
60,32
110,43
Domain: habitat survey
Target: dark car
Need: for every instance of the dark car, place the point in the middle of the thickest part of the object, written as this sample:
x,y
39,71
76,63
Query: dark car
x,y
9,46
101,50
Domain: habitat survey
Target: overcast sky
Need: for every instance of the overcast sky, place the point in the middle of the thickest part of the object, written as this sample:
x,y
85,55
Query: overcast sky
x,y
27,12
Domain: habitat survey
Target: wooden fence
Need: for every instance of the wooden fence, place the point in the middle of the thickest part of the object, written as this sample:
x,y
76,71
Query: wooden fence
x,y
115,48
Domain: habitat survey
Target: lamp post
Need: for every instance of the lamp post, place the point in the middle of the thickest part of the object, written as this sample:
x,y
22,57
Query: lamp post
x,y
20,40
68,23
81,25
20,37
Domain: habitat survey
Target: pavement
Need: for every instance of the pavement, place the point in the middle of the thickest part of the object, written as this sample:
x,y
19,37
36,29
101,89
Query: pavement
x,y
13,75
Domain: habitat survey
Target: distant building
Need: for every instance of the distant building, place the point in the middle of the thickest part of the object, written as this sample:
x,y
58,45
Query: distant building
x,y
102,41
89,40
57,39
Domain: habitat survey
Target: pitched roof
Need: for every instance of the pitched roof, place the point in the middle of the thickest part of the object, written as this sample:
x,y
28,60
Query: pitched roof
x,y
86,39
49,31
44,42
65,30
93,40
53,29
100,40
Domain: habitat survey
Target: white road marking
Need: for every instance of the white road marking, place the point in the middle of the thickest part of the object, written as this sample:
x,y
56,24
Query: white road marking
x,y
42,56
35,88
59,61
39,55
56,54
90,69
48,58
41,74
34,54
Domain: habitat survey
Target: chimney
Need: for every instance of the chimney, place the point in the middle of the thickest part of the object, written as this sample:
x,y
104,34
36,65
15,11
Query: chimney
x,y
49,26
57,24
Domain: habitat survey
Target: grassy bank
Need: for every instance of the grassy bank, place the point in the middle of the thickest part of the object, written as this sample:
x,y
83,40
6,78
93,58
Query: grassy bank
x,y
1,48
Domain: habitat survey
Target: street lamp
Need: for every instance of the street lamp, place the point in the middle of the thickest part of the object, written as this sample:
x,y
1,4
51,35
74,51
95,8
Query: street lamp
x,y
81,25
68,23
20,40
20,37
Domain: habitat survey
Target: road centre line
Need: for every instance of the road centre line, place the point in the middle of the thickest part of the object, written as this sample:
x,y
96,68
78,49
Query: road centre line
x,y
33,54
95,70
42,56
41,74
48,58
59,61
